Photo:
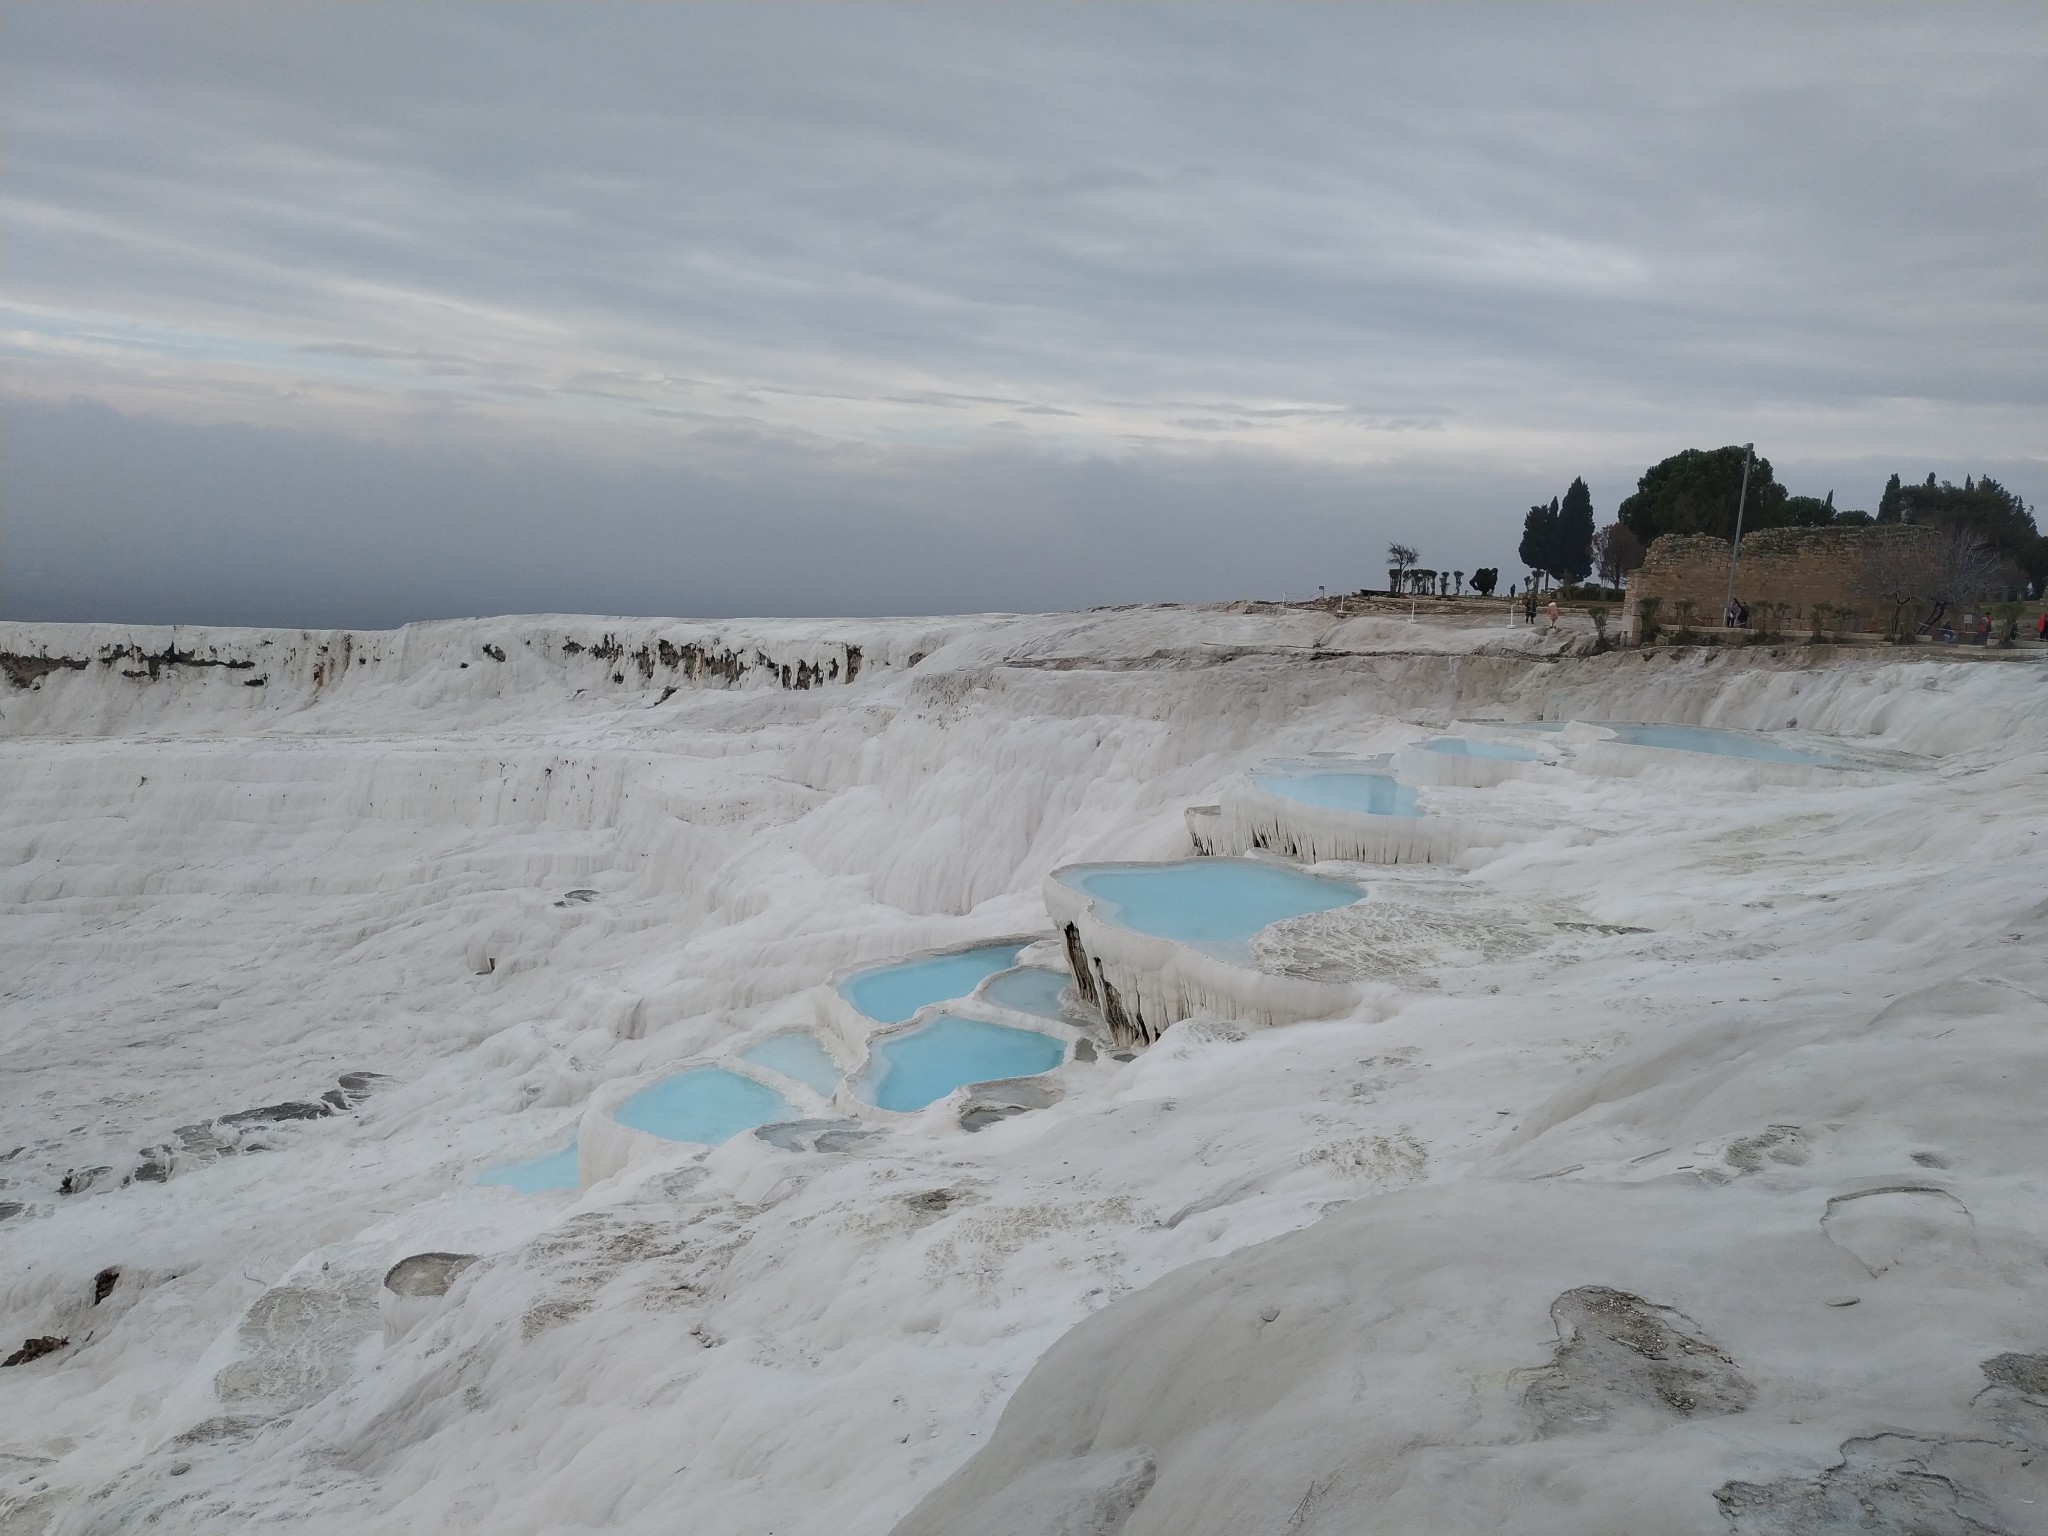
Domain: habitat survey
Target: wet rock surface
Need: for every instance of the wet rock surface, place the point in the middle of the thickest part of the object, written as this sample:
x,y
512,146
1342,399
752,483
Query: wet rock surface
x,y
1621,1358
1885,1485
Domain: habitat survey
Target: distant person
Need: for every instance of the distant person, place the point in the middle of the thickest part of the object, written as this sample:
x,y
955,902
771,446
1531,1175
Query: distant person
x,y
1741,614
2041,626
1529,607
1948,633
1983,629
1728,615
1552,611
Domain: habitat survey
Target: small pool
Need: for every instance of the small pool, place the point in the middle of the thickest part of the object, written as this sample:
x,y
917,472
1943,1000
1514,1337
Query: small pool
x,y
1029,989
911,1070
1493,751
1217,904
558,1170
799,1055
706,1104
1339,789
891,994
1703,738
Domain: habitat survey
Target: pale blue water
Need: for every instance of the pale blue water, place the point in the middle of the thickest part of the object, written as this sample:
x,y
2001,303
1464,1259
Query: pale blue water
x,y
1030,989
1466,746
798,1055
912,1069
1216,903
1703,738
555,1171
890,994
707,1104
1340,790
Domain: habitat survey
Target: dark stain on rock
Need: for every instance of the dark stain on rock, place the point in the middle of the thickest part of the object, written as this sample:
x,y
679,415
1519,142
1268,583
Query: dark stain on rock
x,y
104,1282
35,1349
29,671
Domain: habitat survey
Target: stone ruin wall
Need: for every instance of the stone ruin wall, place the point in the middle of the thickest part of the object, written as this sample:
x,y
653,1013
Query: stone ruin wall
x,y
1799,567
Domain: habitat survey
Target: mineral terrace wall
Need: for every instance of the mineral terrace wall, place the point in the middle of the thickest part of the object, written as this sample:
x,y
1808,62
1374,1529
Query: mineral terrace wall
x,y
1798,568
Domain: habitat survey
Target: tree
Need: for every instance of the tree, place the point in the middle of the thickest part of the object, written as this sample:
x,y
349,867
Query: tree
x,y
1539,537
1459,577
1993,515
1616,552
1571,555
1810,511
1485,579
1399,558
1964,570
1956,569
1696,492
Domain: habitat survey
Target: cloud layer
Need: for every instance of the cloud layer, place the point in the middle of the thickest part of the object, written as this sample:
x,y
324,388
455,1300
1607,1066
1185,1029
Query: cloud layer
x,y
902,270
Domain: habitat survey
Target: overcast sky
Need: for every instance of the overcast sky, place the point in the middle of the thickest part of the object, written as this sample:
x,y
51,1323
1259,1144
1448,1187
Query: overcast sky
x,y
358,314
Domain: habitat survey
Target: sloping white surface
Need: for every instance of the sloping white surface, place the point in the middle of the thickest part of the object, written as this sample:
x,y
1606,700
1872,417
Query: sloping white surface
x,y
217,897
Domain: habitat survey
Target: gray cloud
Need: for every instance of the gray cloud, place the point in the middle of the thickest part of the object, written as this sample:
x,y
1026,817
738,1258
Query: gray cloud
x,y
893,266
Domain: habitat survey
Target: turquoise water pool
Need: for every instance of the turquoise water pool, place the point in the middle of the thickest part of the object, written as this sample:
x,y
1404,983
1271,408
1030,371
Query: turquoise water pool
x,y
911,1070
1029,989
1703,738
1493,751
557,1170
706,1104
1337,789
891,994
1217,904
799,1055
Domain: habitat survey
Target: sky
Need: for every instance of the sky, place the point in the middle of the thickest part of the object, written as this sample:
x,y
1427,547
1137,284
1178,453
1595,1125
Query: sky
x,y
340,314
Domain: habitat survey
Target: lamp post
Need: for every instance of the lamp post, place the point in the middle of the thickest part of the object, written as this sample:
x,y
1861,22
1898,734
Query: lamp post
x,y
1735,549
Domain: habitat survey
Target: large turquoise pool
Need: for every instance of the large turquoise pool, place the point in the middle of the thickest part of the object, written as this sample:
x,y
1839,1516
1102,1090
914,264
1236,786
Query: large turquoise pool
x,y
911,1070
1216,904
558,1170
705,1104
891,994
1721,743
1339,789
798,1055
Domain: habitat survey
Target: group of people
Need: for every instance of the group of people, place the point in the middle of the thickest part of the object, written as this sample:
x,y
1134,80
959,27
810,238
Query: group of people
x,y
1736,616
1529,609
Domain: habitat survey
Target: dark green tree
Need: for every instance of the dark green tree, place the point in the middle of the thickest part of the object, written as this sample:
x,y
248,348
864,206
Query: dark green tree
x,y
1538,549
1571,555
1809,511
1484,580
1696,492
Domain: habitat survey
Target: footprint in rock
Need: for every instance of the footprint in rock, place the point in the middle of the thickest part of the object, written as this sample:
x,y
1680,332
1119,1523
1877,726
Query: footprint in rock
x,y
1901,1225
1622,1361
1773,1144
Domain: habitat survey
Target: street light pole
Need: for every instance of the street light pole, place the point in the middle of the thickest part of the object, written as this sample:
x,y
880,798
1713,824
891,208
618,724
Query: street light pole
x,y
1735,550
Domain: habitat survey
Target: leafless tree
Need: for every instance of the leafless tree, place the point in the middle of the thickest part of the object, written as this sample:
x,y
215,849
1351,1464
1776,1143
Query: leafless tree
x,y
1964,570
1940,573
1616,552
1399,558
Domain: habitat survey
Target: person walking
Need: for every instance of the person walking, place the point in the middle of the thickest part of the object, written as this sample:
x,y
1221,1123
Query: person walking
x,y
1552,611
